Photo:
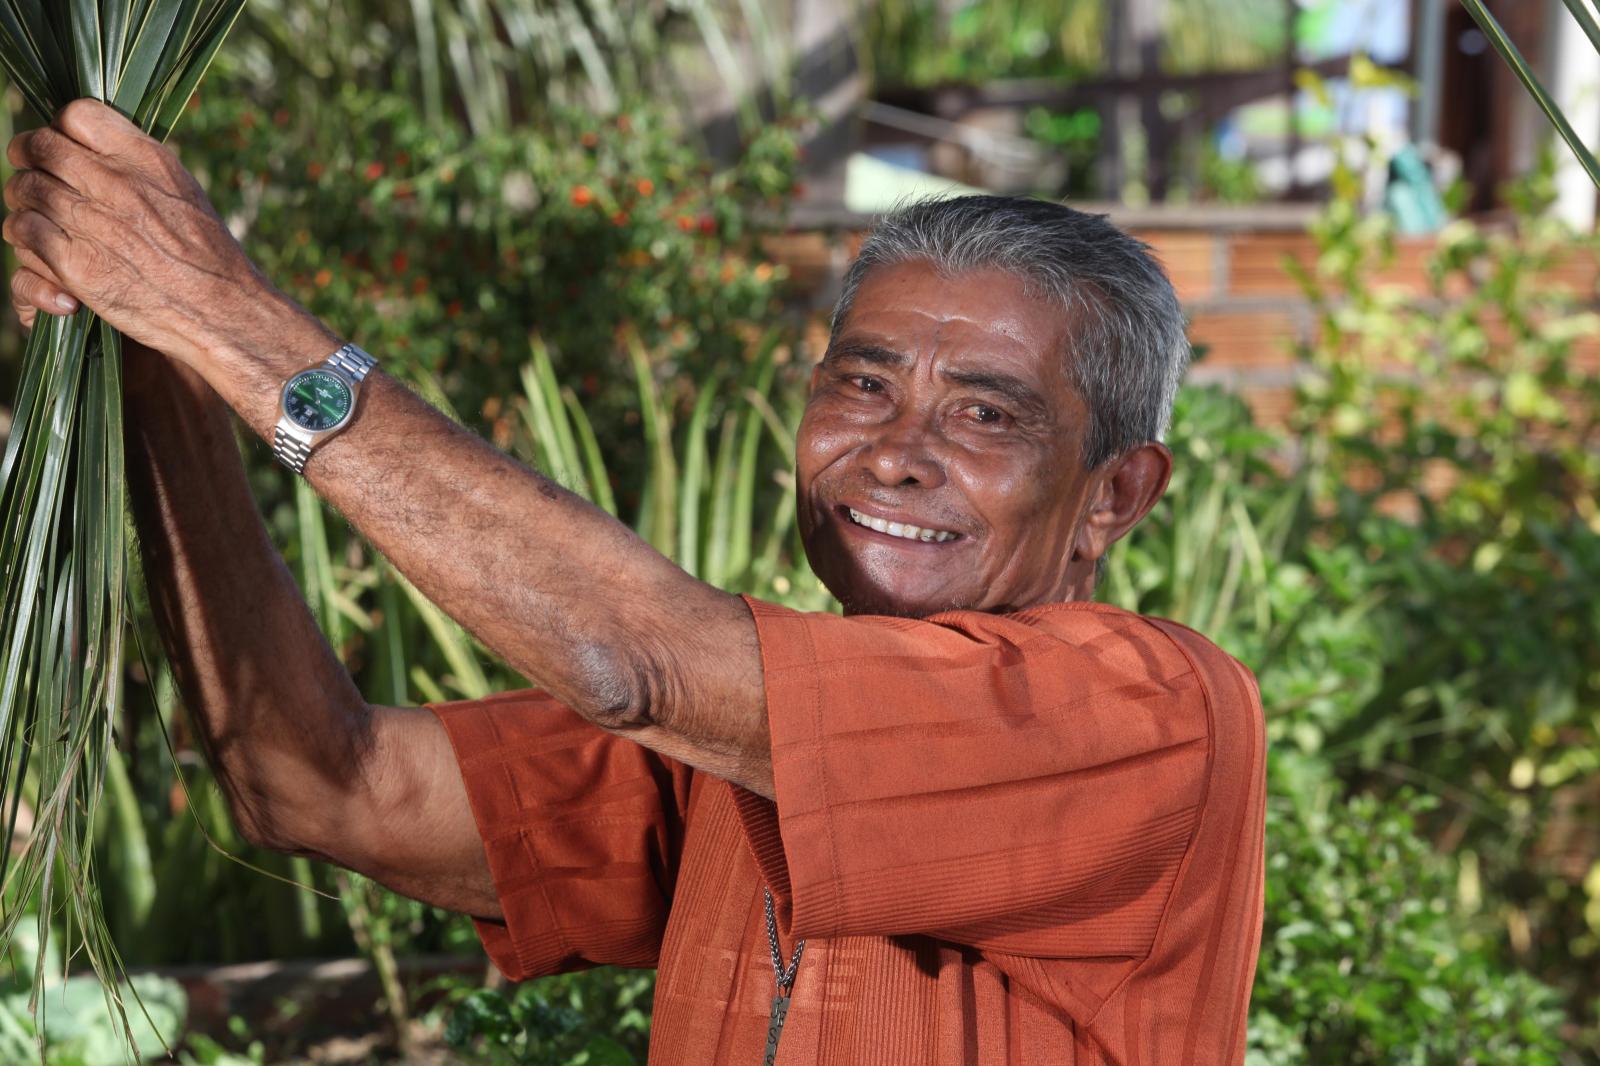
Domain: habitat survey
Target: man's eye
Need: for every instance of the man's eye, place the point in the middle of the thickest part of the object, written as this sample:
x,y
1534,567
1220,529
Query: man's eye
x,y
865,383
988,415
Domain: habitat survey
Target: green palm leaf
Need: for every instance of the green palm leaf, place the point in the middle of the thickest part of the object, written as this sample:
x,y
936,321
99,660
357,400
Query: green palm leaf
x,y
63,548
1508,51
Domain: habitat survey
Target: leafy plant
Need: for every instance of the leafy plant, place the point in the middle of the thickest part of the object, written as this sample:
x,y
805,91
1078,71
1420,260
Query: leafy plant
x,y
62,546
1453,438
68,1021
585,1019
1365,956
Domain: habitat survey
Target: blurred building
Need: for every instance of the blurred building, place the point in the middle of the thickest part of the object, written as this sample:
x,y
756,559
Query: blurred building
x,y
1217,153
1151,102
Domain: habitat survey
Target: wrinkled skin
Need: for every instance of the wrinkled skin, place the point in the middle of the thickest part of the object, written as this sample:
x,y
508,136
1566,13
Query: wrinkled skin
x,y
102,214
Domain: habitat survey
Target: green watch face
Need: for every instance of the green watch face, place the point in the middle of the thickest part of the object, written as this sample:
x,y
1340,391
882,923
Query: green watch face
x,y
317,399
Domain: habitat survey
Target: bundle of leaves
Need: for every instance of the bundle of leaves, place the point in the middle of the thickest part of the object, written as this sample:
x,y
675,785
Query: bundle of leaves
x,y
62,542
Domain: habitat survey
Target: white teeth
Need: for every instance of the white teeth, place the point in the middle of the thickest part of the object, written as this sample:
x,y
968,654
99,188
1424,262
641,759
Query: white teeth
x,y
901,529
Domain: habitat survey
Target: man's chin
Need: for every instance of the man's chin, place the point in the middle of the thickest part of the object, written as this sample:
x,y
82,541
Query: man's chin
x,y
899,603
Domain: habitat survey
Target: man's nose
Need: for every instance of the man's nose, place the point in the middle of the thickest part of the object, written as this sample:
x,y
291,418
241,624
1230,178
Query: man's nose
x,y
905,452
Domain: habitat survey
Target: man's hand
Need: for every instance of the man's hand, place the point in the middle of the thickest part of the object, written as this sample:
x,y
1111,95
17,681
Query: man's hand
x,y
105,215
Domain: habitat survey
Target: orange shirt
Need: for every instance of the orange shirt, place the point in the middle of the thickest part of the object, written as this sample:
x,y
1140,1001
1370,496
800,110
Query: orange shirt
x,y
1009,839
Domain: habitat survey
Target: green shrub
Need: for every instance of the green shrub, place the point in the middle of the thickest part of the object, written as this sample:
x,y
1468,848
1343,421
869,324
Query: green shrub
x,y
1365,957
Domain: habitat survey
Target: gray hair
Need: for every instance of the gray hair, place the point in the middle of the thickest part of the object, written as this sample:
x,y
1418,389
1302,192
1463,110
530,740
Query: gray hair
x,y
1128,349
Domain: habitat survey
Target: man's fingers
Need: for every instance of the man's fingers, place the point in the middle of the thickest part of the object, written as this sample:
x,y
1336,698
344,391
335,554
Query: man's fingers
x,y
57,154
31,231
31,261
35,190
101,128
30,290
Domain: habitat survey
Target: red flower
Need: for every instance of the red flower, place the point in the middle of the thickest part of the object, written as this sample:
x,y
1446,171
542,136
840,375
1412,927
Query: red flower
x,y
313,171
582,196
589,139
645,186
374,171
708,224
400,262
619,218
324,278
686,223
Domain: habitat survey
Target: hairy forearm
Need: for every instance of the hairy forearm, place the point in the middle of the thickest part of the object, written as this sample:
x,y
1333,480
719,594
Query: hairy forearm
x,y
284,727
567,595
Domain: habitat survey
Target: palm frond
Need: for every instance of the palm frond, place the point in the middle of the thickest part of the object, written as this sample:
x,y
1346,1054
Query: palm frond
x,y
63,548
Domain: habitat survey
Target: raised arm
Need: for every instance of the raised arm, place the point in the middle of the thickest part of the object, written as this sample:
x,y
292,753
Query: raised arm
x,y
566,594
306,765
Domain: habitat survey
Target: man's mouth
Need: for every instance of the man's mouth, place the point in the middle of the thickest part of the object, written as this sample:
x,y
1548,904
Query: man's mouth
x,y
903,530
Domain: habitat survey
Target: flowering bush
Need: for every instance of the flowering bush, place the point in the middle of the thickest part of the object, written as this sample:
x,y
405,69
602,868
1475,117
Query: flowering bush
x,y
443,253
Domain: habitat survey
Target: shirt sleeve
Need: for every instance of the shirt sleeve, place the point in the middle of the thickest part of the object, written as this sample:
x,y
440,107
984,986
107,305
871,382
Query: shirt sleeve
x,y
1027,783
583,832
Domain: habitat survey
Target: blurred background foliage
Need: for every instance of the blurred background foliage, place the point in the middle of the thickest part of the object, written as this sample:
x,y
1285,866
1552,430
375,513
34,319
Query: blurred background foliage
x,y
511,203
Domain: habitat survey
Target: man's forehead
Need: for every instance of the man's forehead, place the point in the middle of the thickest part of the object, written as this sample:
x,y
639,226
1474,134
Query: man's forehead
x,y
980,315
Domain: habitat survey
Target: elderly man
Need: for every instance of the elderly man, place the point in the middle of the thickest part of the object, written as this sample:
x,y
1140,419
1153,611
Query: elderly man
x,y
978,819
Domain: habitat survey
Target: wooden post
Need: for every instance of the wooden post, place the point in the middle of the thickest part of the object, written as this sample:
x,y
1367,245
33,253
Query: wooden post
x,y
1291,65
1133,43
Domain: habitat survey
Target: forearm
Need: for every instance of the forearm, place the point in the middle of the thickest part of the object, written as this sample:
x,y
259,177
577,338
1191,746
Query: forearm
x,y
564,593
284,726
567,595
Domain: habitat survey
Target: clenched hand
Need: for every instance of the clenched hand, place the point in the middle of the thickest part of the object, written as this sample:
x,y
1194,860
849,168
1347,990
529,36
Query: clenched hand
x,y
104,215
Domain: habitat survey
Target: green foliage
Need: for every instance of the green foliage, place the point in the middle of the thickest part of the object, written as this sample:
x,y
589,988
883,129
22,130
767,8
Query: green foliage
x,y
1473,508
597,1018
492,66
928,42
71,1021
1364,957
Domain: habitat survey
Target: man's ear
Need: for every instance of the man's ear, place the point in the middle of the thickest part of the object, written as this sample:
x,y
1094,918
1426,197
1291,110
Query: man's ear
x,y
1128,487
816,377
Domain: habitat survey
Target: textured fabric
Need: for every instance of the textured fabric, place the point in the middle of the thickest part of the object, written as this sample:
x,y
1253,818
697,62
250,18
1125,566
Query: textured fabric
x,y
1009,839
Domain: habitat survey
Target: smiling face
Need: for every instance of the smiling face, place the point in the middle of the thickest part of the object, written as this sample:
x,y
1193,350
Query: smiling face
x,y
944,405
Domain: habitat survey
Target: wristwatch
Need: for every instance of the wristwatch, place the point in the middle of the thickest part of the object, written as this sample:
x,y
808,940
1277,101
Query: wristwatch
x,y
317,403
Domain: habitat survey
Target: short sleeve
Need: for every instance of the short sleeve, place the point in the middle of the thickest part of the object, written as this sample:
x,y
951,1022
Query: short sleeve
x,y
1027,783
583,832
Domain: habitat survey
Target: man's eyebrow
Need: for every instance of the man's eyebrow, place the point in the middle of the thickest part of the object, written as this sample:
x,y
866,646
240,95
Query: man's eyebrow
x,y
1012,388
866,352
